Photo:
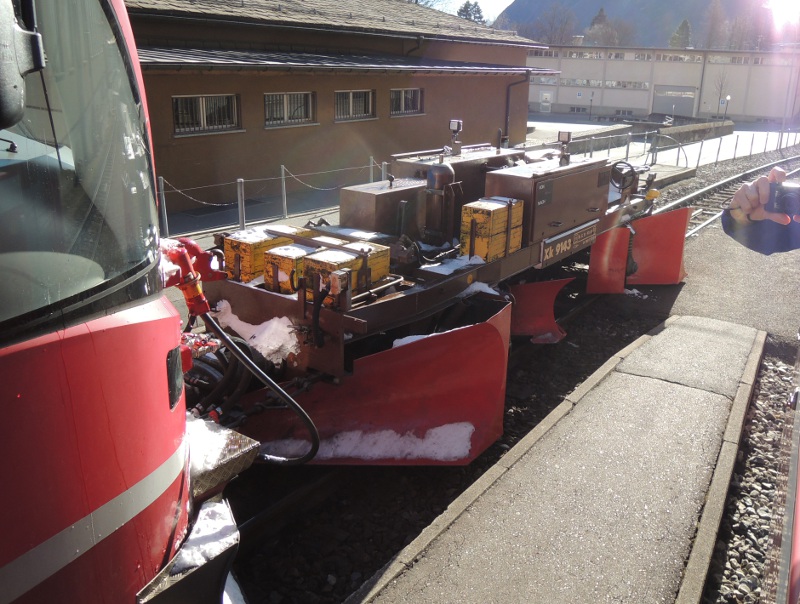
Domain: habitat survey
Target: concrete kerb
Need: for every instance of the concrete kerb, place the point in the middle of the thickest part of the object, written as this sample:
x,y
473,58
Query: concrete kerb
x,y
693,581
406,557
694,576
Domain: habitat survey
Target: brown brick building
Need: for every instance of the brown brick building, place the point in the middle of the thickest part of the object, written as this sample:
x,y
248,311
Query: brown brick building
x,y
237,88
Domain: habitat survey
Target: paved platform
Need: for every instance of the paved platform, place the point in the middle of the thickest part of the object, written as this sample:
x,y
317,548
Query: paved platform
x,y
615,497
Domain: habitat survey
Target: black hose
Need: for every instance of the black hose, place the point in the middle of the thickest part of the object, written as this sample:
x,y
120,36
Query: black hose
x,y
219,392
437,257
205,368
269,383
243,379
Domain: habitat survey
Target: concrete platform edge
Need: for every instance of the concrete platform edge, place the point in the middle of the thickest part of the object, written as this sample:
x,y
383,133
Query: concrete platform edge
x,y
694,576
693,581
405,558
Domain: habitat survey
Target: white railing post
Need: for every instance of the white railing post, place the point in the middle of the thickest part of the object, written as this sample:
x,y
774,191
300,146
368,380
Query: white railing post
x,y
384,170
240,200
283,191
371,164
162,203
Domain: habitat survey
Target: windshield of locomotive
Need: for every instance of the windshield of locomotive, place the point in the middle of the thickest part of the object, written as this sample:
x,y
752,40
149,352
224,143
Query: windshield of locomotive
x,y
77,212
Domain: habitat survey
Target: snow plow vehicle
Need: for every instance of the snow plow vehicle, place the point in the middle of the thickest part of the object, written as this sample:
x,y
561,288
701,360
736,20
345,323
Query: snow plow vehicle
x,y
391,329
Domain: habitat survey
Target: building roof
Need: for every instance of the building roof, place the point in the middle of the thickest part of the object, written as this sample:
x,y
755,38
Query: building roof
x,y
385,17
161,57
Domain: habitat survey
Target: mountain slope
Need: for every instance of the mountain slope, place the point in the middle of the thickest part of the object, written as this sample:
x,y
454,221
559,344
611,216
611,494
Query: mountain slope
x,y
654,20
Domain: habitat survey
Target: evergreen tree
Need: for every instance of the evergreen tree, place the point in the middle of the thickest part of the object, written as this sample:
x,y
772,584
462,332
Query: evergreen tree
x,y
626,32
740,34
602,34
471,11
599,19
716,25
682,38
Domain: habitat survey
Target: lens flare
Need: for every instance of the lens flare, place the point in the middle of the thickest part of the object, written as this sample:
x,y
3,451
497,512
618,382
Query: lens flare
x,y
784,12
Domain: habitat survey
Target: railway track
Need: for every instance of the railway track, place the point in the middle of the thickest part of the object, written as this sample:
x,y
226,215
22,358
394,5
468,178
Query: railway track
x,y
322,551
710,201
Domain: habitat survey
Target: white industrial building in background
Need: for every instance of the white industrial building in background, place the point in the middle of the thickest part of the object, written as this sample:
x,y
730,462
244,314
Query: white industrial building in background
x,y
623,83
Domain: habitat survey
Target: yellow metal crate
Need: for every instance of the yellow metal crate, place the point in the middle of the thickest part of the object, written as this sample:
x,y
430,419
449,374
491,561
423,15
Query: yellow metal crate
x,y
492,227
284,266
377,261
290,230
325,240
327,261
246,248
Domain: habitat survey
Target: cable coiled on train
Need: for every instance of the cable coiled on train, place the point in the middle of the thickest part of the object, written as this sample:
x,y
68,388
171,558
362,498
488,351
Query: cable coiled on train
x,y
237,352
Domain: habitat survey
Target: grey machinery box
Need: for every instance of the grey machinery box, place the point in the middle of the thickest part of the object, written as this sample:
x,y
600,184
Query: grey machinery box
x,y
380,206
557,198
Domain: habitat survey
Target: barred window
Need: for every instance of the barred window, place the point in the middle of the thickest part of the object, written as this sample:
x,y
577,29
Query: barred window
x,y
550,80
626,84
581,82
405,101
577,109
642,56
193,114
583,54
543,53
286,108
679,58
354,105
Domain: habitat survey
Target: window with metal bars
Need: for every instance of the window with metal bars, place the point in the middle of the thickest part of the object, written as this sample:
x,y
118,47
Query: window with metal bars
x,y
211,113
287,108
405,101
354,104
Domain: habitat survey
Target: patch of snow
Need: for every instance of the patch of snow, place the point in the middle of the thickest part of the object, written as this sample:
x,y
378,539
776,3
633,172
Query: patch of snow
x,y
636,294
213,533
233,593
275,339
478,287
449,442
451,265
208,444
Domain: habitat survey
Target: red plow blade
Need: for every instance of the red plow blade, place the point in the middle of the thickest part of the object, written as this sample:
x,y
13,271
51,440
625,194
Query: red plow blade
x,y
438,400
657,251
533,311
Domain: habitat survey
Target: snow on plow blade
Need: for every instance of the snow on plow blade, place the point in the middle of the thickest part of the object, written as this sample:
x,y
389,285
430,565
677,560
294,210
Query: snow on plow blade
x,y
436,400
533,311
657,252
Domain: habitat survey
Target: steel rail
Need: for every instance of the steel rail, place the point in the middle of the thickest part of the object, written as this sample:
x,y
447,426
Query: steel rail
x,y
688,199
